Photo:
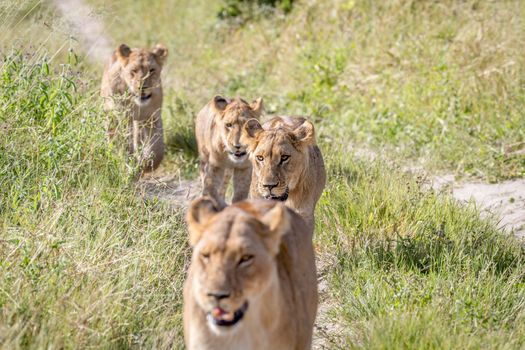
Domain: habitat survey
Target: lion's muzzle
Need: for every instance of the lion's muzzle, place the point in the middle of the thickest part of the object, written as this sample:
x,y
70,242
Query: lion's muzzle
x,y
269,191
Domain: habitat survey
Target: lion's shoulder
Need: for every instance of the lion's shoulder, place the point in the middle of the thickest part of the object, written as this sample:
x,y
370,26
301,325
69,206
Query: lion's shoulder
x,y
205,128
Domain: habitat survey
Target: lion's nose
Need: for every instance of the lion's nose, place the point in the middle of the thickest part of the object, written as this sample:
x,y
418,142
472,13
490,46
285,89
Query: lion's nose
x,y
219,295
269,187
237,146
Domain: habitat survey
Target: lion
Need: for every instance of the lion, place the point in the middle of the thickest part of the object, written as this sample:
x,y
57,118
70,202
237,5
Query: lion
x,y
218,130
132,83
252,279
287,164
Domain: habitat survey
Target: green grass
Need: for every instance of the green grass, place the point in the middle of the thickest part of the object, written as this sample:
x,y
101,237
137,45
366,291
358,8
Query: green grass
x,y
411,270
86,263
434,84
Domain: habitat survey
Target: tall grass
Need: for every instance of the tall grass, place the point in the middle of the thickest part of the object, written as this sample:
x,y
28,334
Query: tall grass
x,y
409,270
84,262
437,84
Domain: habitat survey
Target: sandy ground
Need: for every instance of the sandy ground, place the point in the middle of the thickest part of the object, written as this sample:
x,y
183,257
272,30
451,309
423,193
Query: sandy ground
x,y
170,189
504,202
87,28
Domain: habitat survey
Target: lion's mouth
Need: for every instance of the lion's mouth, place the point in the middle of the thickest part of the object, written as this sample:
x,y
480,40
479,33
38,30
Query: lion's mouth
x,y
220,317
238,154
145,97
280,198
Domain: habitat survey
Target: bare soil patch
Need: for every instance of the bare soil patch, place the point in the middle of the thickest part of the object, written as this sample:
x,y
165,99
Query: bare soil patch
x,y
88,27
171,189
504,201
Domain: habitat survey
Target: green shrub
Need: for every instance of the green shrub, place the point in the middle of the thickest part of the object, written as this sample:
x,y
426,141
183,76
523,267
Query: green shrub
x,y
246,9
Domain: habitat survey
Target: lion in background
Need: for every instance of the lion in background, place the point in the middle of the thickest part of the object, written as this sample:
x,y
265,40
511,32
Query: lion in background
x,y
252,280
287,164
218,129
132,83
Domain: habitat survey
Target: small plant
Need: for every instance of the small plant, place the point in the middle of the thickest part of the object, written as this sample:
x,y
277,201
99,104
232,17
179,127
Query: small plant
x,y
247,9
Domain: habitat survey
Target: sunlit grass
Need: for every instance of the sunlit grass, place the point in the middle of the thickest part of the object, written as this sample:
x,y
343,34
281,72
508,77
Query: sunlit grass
x,y
84,261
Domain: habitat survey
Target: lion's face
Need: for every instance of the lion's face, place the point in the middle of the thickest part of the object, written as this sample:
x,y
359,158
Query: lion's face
x,y
279,156
141,71
233,260
233,114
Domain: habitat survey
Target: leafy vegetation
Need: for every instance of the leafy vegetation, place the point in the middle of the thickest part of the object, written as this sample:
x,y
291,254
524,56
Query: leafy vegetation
x,y
245,8
86,262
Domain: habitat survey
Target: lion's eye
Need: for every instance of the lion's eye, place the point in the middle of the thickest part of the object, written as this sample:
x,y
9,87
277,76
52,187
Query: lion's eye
x,y
260,158
284,158
152,71
245,259
228,125
205,257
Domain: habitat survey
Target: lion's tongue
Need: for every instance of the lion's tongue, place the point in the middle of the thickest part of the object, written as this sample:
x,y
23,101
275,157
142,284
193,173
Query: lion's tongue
x,y
220,314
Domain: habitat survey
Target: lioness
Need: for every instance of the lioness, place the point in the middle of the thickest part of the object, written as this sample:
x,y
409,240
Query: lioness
x,y
132,82
288,166
252,280
218,129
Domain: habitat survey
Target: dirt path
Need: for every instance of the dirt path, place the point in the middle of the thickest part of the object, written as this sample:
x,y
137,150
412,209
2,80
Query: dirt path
x,y
87,28
170,189
328,332
504,201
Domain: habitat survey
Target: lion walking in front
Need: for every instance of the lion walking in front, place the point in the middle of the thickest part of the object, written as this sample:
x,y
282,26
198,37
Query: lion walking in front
x,y
252,281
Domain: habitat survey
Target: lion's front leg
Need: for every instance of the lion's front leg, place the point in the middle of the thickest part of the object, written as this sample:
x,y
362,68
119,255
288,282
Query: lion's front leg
x,y
212,184
225,182
241,184
148,142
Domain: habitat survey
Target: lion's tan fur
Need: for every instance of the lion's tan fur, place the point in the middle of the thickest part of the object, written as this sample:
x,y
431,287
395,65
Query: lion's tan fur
x,y
216,143
304,176
280,285
129,74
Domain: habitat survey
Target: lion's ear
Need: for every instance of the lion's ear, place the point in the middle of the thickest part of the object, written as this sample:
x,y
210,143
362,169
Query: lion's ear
x,y
257,106
199,213
123,52
220,103
250,130
304,134
160,52
277,221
